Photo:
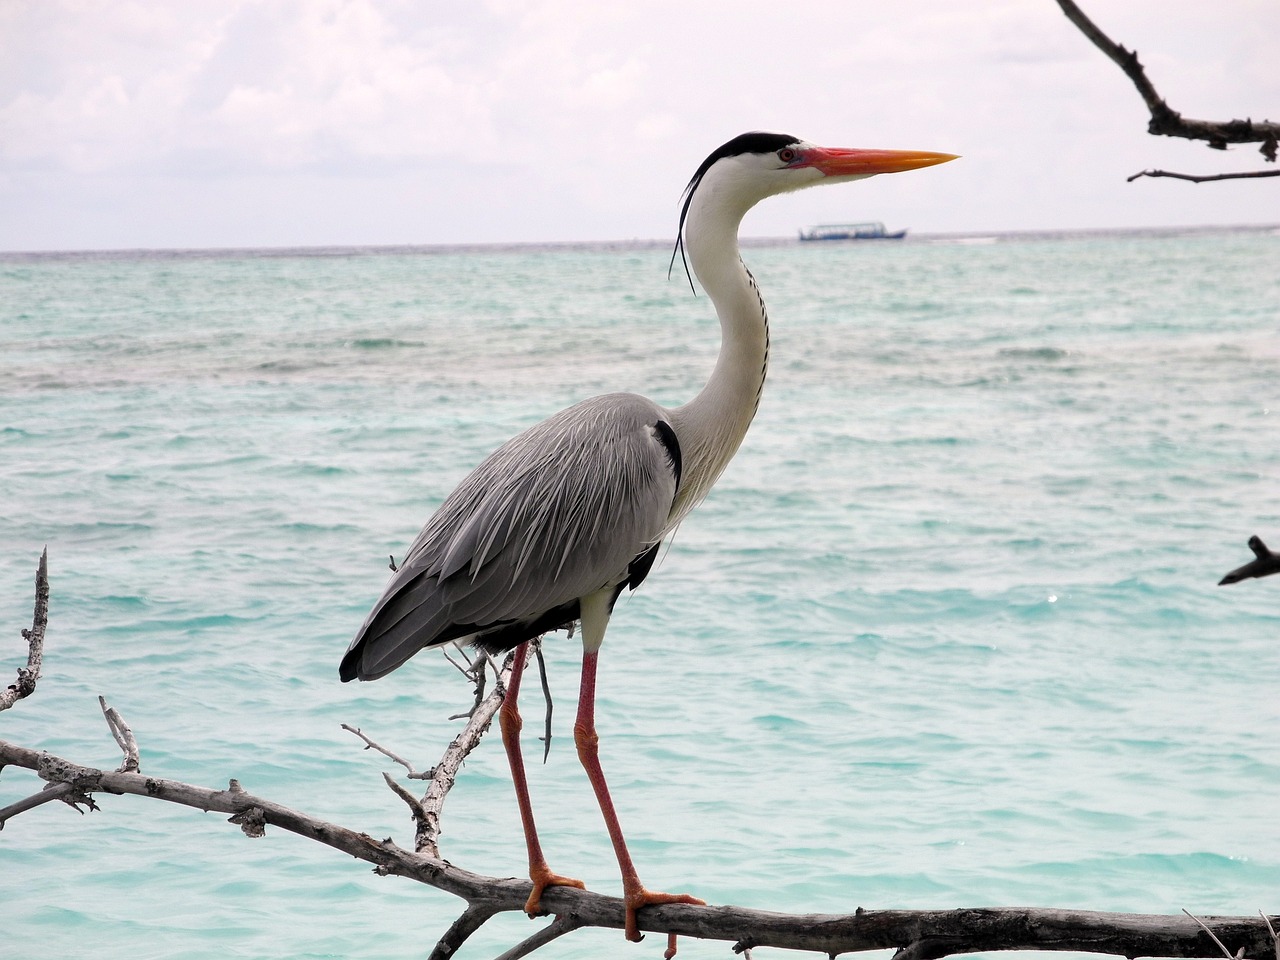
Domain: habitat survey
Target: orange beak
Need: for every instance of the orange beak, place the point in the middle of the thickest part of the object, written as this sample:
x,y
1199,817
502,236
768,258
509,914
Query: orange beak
x,y
837,162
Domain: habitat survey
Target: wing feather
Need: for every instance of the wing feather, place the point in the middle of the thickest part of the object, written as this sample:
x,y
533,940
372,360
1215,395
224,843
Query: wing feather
x,y
553,515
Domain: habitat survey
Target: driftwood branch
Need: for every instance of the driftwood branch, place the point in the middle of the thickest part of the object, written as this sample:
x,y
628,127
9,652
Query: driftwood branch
x,y
558,927
427,832
1265,562
923,934
1167,122
370,744
917,935
132,762
472,919
1204,178
53,791
25,685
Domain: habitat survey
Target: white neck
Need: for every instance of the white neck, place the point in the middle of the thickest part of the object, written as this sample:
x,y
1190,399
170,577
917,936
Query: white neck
x,y
711,425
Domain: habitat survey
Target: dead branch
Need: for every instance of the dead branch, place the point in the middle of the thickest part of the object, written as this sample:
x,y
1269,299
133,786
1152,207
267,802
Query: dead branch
x,y
558,927
25,685
917,935
1204,178
925,935
1167,122
132,763
472,919
1214,937
1275,937
52,791
427,836
370,744
427,811
1265,562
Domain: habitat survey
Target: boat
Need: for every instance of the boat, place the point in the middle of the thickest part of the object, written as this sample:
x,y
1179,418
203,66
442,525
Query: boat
x,y
851,231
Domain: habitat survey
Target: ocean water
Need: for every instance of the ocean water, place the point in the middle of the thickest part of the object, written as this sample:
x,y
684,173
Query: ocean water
x,y
947,633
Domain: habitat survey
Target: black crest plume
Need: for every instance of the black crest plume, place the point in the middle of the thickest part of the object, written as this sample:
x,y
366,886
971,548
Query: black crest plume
x,y
754,142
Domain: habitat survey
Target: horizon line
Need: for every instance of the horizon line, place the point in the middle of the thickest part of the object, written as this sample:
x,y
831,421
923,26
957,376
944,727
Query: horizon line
x,y
503,246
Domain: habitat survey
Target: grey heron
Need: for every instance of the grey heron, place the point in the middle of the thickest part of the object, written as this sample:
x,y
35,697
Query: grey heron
x,y
552,526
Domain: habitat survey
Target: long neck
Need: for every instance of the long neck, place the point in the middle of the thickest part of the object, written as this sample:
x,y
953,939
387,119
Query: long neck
x,y
711,425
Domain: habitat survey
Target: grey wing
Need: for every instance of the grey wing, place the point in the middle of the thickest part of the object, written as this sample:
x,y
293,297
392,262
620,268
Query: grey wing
x,y
570,506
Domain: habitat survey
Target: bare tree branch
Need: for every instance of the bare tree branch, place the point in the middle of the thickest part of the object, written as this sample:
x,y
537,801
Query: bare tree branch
x,y
917,935
1275,937
25,685
1167,122
1204,178
472,919
1214,937
1265,562
370,744
558,927
427,839
930,934
132,763
52,791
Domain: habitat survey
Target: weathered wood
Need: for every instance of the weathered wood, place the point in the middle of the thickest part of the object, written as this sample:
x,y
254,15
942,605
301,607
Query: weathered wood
x,y
1167,122
917,935
923,935
427,837
25,685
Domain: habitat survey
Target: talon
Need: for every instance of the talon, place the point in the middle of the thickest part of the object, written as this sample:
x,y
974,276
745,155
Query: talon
x,y
541,880
641,898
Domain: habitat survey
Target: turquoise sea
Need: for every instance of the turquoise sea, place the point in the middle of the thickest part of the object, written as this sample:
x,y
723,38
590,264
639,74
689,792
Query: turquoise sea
x,y
948,632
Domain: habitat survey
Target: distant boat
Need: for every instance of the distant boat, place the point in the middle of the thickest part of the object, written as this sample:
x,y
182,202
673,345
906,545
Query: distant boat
x,y
851,231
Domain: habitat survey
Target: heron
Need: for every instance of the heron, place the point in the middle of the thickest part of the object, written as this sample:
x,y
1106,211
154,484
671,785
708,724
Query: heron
x,y
550,528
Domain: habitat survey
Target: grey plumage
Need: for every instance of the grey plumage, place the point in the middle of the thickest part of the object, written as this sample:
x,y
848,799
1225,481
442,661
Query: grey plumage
x,y
558,512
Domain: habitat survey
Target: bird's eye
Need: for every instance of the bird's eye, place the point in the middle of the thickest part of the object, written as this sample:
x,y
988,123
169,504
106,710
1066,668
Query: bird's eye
x,y
787,155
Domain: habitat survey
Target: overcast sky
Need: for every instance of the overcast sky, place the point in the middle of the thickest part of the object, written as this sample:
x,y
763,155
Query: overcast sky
x,y
217,123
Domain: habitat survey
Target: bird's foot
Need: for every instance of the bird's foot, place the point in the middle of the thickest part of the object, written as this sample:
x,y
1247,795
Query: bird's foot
x,y
542,878
639,898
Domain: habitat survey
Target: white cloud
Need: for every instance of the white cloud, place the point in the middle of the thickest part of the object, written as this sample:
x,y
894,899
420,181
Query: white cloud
x,y
398,121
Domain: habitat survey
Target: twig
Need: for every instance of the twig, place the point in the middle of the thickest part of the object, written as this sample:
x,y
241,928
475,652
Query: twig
x,y
472,919
370,744
52,791
427,840
562,924
1221,946
1165,121
473,671
1265,562
469,670
25,685
1205,178
132,763
416,808
1275,937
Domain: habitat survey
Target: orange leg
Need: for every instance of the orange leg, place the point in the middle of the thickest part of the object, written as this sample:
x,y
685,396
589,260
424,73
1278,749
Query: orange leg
x,y
585,736
509,719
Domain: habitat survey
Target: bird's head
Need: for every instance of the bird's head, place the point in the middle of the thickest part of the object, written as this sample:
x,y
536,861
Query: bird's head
x,y
739,174
753,166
